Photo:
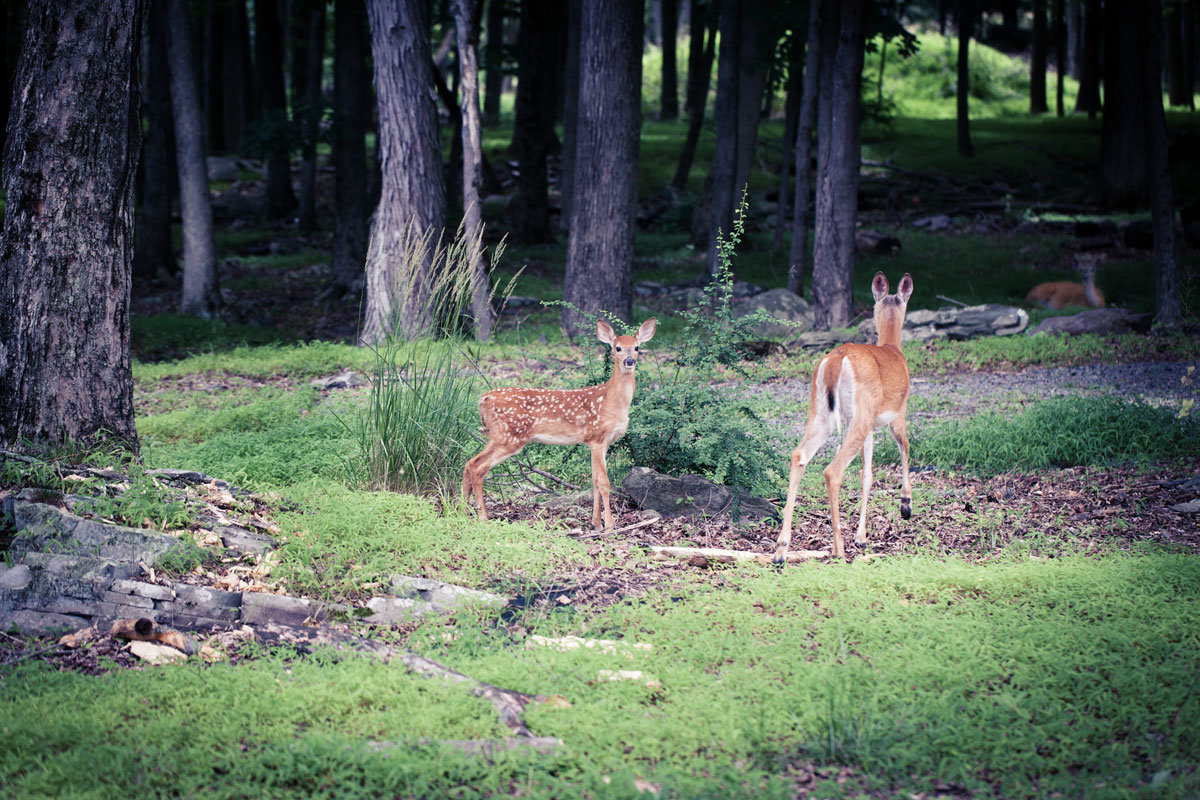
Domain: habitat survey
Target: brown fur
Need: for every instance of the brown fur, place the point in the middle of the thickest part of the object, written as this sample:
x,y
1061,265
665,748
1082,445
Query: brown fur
x,y
875,379
1060,294
595,416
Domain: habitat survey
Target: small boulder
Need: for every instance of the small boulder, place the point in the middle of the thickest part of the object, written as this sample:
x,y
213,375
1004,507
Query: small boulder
x,y
691,496
794,312
1098,321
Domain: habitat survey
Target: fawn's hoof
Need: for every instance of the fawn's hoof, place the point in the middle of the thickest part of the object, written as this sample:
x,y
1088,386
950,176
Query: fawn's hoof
x,y
905,507
780,558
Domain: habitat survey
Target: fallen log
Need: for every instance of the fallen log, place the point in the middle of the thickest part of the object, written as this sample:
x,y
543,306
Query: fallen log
x,y
702,556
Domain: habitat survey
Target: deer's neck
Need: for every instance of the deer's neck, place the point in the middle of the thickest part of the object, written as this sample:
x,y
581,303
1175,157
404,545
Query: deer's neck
x,y
889,334
1090,292
619,390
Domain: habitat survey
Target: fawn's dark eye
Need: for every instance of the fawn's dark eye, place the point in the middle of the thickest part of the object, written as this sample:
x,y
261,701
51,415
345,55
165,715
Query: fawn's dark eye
x,y
618,349
637,349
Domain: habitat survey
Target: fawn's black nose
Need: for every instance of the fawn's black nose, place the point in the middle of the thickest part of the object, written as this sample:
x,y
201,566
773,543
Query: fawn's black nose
x,y
629,362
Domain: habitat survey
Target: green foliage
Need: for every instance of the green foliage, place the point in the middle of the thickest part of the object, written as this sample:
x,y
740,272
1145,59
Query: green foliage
x,y
144,500
419,425
295,360
186,557
1060,432
171,335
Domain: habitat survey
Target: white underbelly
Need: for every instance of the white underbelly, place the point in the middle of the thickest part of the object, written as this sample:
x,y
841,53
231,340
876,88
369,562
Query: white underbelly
x,y
550,438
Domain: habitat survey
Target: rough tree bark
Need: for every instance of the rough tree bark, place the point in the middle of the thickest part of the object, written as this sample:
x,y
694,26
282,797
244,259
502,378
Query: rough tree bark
x,y
268,49
1088,98
533,133
349,145
66,247
1168,306
1123,143
604,210
802,205
413,191
201,295
838,157
700,60
466,23
1037,63
719,212
966,13
670,79
308,59
755,54
154,253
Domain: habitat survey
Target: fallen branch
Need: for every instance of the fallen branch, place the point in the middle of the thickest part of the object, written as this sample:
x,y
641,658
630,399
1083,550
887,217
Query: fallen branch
x,y
952,300
483,747
145,630
701,556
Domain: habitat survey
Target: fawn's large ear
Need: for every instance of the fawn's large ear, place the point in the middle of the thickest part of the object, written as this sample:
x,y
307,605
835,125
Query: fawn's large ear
x,y
646,330
879,287
904,290
604,332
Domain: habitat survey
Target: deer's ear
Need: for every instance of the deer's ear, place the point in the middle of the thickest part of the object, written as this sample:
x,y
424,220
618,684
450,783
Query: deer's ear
x,y
905,289
604,332
646,331
879,287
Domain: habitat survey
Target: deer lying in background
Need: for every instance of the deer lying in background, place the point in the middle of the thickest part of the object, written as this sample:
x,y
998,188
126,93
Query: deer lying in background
x,y
596,416
1060,294
859,386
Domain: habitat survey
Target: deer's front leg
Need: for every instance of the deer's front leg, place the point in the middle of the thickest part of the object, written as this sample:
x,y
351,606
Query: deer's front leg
x,y
868,448
600,488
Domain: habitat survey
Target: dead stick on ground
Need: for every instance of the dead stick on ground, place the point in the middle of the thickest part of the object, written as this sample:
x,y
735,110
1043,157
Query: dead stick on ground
x,y
699,556
951,300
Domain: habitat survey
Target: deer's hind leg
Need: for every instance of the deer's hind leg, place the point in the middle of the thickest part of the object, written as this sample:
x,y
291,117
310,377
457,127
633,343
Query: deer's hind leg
x,y
900,434
856,435
478,467
868,449
815,434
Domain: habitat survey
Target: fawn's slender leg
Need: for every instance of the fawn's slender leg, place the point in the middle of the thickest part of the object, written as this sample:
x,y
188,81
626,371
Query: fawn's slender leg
x,y
600,487
900,434
868,448
815,434
860,426
479,466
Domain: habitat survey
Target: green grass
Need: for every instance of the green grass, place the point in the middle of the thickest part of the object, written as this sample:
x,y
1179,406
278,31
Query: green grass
x,y
1055,433
298,360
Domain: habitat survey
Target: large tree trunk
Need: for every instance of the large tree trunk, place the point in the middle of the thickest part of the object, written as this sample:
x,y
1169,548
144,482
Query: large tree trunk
x,y
719,209
838,156
1123,144
1060,56
1037,63
268,47
350,82
1088,98
413,191
700,60
802,206
209,37
604,210
566,176
966,13
12,28
1075,39
1168,306
493,60
1190,66
533,134
201,295
755,54
66,247
308,59
235,70
466,23
154,253
670,79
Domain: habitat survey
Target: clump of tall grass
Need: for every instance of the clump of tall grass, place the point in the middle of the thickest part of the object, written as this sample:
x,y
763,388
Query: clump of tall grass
x,y
1059,432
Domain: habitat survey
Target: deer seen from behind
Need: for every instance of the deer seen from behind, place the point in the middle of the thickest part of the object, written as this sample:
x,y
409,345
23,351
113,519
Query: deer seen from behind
x,y
596,416
1060,294
856,387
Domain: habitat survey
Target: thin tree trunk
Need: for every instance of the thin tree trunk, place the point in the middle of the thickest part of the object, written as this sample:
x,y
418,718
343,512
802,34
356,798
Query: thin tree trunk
x,y
210,33
308,59
349,144
1037,64
66,245
1075,38
1176,91
838,158
755,55
1168,307
801,207
154,253
670,84
201,295
1060,56
534,128
236,71
698,14
604,210
1088,98
413,191
493,60
965,14
724,164
791,111
1188,13
466,23
566,178
268,42
699,78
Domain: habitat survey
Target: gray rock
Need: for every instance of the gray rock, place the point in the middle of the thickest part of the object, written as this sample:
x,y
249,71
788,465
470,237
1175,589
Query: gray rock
x,y
443,598
261,607
222,169
45,528
186,476
42,623
782,305
1190,507
957,323
825,340
1096,320
343,380
242,540
14,578
692,495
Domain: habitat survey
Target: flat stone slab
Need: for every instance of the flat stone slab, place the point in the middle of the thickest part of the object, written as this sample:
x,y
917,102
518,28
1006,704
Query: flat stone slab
x,y
49,529
692,495
262,607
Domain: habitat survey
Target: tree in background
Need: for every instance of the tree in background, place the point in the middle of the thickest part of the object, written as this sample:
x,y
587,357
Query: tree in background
x,y
350,83
843,25
533,133
158,182
493,60
65,261
1037,62
201,295
604,208
963,20
700,61
227,75
272,124
308,59
1088,98
670,86
1168,306
570,106
1123,132
413,191
802,205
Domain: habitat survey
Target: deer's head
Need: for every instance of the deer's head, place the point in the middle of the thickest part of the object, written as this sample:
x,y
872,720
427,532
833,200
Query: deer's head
x,y
890,308
625,349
